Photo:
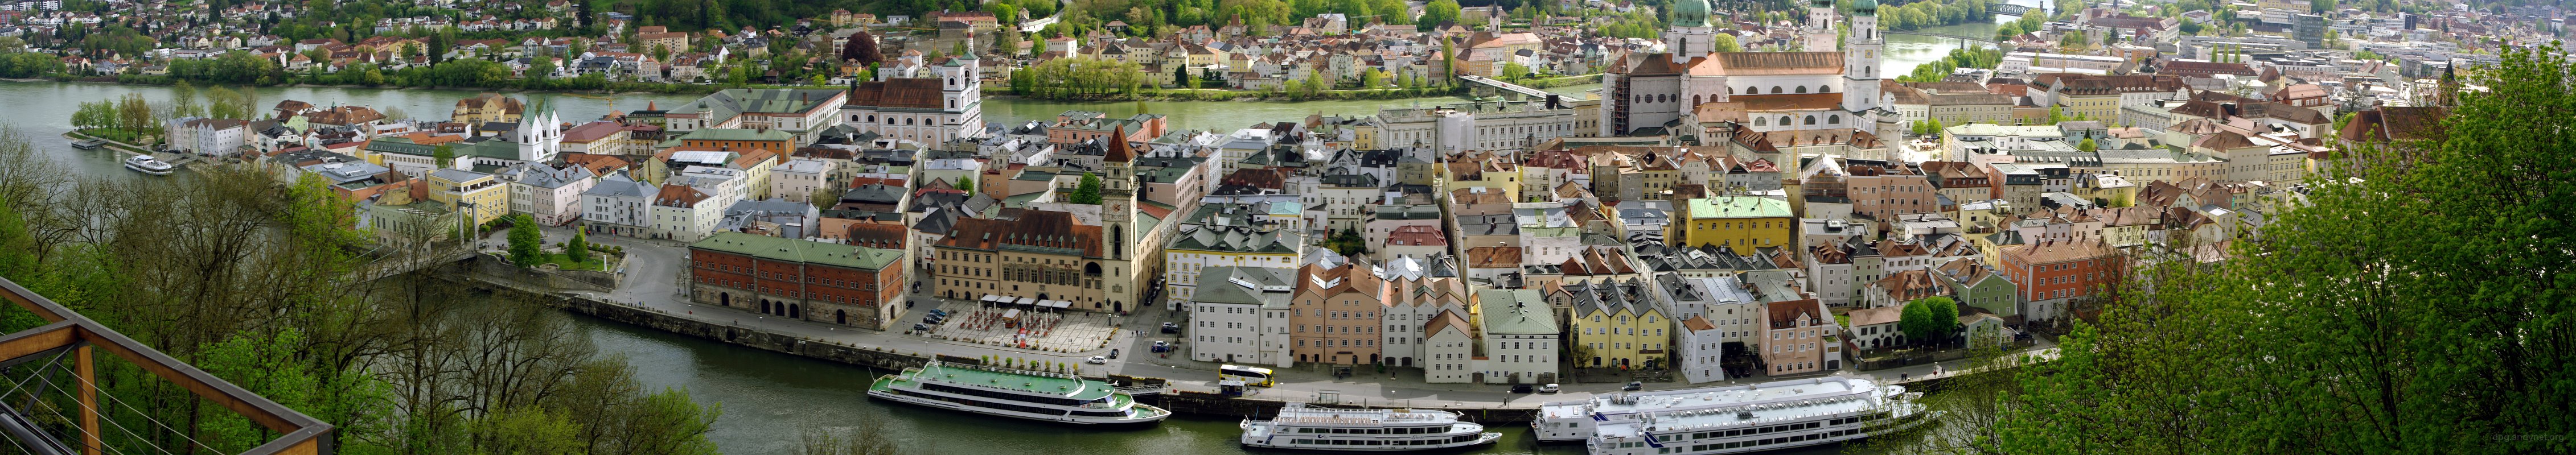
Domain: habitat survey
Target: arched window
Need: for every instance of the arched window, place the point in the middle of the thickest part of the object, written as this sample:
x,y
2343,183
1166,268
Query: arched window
x,y
1836,119
1824,89
1775,90
1758,121
1811,120
1730,90
1784,121
1802,89
1694,100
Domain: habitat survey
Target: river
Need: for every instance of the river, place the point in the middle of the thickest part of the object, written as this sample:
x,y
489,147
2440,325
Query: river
x,y
769,398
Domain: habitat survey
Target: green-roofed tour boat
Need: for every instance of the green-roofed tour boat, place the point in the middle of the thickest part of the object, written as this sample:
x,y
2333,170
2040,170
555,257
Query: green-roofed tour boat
x,y
1024,394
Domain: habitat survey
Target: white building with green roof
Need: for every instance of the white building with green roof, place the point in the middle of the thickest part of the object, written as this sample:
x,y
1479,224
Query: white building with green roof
x,y
1519,337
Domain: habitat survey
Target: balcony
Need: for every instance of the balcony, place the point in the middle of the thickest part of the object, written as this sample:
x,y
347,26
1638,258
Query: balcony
x,y
66,348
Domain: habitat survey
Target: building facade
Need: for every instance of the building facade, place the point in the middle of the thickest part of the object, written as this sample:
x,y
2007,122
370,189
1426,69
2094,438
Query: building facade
x,y
800,279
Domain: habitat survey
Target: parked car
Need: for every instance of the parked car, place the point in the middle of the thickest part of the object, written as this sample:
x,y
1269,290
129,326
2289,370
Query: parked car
x,y
1520,388
1097,360
1550,388
1113,353
920,328
1634,386
939,312
1160,346
1171,328
932,320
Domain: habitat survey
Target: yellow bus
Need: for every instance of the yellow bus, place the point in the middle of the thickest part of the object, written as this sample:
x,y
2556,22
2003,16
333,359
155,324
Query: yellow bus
x,y
1251,376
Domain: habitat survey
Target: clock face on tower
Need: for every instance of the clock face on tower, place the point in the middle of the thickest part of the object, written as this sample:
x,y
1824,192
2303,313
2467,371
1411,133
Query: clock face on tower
x,y
1868,54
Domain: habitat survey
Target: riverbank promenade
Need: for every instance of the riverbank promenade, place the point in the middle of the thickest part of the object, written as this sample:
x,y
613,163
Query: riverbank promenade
x,y
653,283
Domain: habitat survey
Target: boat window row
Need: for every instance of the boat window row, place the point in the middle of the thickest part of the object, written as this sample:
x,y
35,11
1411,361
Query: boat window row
x,y
1396,430
1748,431
1059,401
1759,442
1382,442
983,404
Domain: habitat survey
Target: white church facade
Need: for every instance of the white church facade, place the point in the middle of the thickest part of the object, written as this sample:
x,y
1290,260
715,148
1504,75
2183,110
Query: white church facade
x,y
1797,100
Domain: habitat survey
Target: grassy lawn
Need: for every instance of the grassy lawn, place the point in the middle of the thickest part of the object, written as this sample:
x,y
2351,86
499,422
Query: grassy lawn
x,y
566,263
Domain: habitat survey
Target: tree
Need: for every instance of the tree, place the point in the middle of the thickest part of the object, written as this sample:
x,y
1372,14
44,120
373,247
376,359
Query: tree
x,y
1725,42
2086,146
443,157
872,437
578,251
1181,77
2318,338
1928,320
824,198
1439,12
967,184
1086,192
527,244
1347,243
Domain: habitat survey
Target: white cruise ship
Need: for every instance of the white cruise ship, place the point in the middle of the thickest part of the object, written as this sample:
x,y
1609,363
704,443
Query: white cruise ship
x,y
1023,394
1732,419
1299,426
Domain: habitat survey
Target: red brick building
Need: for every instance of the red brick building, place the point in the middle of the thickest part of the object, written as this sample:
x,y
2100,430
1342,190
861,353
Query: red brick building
x,y
802,279
2049,273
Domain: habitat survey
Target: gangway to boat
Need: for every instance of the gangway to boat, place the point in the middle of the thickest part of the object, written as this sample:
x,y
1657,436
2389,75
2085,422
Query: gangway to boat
x,y
1142,390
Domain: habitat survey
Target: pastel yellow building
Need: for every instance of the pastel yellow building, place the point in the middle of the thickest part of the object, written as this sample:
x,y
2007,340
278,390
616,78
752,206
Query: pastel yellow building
x,y
1740,223
481,195
1615,324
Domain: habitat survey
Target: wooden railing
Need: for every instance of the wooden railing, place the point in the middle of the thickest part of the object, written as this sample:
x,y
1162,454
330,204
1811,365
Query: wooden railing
x,y
298,434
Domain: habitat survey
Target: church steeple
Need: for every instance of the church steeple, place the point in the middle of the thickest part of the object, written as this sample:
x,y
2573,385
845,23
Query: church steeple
x,y
1861,59
1690,35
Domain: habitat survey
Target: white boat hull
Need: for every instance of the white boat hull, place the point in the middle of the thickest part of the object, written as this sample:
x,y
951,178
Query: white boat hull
x,y
1158,416
1481,439
149,166
148,171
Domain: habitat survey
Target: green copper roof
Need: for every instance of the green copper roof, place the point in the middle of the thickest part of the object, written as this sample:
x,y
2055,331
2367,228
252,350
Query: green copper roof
x,y
797,250
1738,207
1690,13
1514,312
737,134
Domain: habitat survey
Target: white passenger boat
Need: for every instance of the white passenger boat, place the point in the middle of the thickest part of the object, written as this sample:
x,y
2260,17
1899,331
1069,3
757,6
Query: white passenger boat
x,y
1732,419
1299,426
146,164
1023,394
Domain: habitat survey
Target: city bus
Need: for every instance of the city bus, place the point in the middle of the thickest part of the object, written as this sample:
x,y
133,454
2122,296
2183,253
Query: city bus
x,y
1251,376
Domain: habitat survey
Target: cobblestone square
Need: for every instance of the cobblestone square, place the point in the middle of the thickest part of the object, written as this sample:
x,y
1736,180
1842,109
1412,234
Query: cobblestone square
x,y
1041,330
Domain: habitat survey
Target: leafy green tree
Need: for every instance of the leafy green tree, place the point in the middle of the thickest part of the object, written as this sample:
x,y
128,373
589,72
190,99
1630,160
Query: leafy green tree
x,y
1347,243
1087,191
527,244
1927,321
1439,12
2412,303
1725,42
578,251
2087,145
443,157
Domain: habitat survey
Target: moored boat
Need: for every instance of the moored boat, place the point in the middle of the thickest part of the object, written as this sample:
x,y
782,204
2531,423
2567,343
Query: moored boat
x,y
88,144
1303,427
146,164
1024,394
1733,419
